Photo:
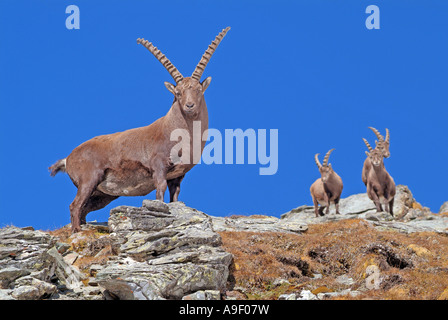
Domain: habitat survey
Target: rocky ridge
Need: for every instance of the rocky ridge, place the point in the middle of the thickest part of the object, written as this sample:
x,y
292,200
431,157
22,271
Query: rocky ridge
x,y
168,251
409,216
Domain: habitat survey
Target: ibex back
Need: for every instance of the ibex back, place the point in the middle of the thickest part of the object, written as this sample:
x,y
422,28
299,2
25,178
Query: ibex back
x,y
138,161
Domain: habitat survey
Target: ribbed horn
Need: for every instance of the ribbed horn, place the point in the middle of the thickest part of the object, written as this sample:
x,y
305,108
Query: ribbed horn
x,y
387,135
368,145
377,133
316,158
177,76
197,73
327,156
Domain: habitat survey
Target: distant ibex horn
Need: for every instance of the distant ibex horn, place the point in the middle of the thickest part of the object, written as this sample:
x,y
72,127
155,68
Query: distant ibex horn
x,y
368,145
377,133
327,156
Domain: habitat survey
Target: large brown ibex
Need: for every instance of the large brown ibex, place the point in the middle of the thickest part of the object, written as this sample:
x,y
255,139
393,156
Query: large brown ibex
x,y
380,185
382,145
138,161
328,188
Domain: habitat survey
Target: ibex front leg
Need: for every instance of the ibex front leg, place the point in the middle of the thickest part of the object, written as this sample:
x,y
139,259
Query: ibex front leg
x,y
374,197
336,202
159,176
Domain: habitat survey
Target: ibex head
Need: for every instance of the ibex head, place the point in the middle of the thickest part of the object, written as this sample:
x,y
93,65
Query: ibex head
x,y
376,157
325,169
382,144
189,91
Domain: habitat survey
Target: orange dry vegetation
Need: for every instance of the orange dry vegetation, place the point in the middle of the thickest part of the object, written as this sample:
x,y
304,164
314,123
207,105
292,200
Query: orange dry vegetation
x,y
92,249
412,266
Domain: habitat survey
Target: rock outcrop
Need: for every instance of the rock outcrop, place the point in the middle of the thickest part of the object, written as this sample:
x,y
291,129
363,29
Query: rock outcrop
x,y
31,266
444,208
163,251
168,251
409,215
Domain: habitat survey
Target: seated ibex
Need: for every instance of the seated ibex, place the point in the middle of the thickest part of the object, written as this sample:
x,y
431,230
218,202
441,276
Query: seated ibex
x,y
380,185
138,161
327,189
382,145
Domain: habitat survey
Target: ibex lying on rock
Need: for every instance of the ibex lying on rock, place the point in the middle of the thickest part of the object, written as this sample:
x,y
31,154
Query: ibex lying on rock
x,y
380,185
382,145
327,189
137,161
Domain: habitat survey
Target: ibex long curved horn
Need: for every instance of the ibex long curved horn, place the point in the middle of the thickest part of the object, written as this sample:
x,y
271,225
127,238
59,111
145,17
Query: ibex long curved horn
x,y
177,76
368,145
197,73
387,135
316,158
377,133
327,156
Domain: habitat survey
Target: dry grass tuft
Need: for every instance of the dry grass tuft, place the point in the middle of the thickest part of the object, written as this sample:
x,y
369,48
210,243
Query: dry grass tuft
x,y
412,266
93,246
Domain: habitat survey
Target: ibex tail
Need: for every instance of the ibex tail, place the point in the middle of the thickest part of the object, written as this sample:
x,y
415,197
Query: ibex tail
x,y
58,166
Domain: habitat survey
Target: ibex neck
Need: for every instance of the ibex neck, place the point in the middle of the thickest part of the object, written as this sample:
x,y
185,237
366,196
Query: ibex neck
x,y
177,119
380,170
331,178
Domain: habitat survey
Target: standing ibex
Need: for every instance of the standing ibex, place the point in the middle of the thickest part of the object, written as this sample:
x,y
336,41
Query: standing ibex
x,y
380,185
382,145
327,189
137,161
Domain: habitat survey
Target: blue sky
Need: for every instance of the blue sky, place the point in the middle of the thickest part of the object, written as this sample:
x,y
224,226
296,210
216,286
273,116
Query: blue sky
x,y
310,69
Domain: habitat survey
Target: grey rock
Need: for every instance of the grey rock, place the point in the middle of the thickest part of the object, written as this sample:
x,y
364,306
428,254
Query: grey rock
x,y
62,247
329,295
356,204
9,274
163,255
258,224
444,207
25,293
156,205
71,257
203,295
291,296
67,274
307,295
44,289
345,280
5,294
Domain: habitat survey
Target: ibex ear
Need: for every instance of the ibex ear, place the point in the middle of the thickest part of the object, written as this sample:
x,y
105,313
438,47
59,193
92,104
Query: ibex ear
x,y
206,83
367,153
170,87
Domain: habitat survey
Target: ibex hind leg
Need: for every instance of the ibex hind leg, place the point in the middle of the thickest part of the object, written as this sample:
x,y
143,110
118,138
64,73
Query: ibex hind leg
x,y
97,201
85,189
174,187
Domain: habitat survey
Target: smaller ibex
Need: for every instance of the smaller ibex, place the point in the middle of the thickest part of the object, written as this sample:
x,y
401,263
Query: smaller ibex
x,y
380,185
382,145
327,189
